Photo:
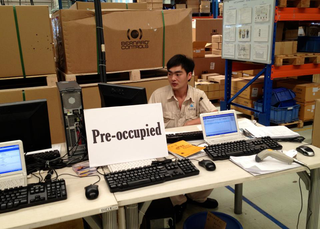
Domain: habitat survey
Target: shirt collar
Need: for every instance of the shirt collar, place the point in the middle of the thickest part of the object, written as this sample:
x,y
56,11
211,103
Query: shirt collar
x,y
189,94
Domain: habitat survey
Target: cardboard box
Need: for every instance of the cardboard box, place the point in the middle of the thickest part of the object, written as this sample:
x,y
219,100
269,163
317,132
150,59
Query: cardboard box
x,y
36,41
285,47
253,92
237,74
279,31
253,72
198,48
207,86
220,79
205,77
203,29
291,34
157,5
181,6
243,102
316,125
213,95
306,112
130,41
216,38
108,5
206,3
216,52
305,92
209,65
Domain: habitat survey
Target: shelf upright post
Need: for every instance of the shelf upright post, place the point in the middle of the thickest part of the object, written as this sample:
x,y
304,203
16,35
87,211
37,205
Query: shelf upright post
x,y
101,55
225,105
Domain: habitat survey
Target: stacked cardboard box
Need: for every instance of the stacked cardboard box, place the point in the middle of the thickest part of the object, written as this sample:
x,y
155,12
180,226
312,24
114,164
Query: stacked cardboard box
x,y
221,9
198,49
203,29
285,47
316,125
306,94
248,96
211,89
109,5
154,4
130,41
181,6
194,5
216,44
208,65
205,7
35,41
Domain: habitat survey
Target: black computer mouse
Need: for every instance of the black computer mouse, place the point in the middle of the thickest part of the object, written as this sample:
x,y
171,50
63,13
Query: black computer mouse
x,y
208,165
305,150
92,192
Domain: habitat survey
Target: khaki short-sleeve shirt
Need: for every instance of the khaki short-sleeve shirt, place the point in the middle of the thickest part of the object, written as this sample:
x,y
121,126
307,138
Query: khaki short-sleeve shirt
x,y
195,103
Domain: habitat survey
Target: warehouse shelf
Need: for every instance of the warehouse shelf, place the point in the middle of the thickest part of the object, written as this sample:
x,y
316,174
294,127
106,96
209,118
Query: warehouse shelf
x,y
297,14
271,71
294,70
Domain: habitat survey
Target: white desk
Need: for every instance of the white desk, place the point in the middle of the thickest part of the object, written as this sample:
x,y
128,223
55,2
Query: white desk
x,y
74,207
226,173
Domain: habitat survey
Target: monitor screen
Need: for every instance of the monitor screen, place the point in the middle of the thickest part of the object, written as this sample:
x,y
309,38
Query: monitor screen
x,y
220,124
121,95
27,121
10,160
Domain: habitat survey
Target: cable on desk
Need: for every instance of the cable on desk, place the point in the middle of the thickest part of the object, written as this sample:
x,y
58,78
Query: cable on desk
x,y
68,174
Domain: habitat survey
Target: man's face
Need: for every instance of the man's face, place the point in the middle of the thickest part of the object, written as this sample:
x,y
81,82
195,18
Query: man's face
x,y
178,78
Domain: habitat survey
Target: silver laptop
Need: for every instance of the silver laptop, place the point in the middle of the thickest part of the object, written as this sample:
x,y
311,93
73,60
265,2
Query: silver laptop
x,y
13,172
220,126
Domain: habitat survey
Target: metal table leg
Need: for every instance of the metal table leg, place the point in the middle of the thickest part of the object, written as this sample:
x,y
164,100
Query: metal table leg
x,y
238,199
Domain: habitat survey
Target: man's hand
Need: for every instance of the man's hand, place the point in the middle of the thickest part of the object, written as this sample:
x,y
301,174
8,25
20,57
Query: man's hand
x,y
192,122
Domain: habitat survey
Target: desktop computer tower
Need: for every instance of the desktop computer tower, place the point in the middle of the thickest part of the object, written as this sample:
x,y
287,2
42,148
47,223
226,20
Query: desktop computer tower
x,y
72,111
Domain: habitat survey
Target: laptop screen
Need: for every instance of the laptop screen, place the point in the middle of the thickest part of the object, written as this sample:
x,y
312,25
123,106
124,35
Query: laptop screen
x,y
220,124
10,160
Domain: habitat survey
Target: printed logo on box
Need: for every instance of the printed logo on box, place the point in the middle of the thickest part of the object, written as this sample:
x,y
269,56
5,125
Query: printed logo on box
x,y
134,40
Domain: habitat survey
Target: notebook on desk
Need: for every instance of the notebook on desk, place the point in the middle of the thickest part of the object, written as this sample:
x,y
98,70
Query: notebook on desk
x,y
220,126
13,172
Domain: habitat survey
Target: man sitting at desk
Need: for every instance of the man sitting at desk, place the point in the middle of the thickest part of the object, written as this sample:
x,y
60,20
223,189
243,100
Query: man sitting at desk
x,y
182,105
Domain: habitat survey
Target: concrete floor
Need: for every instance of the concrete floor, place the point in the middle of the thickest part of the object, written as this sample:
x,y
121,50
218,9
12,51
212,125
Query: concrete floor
x,y
269,203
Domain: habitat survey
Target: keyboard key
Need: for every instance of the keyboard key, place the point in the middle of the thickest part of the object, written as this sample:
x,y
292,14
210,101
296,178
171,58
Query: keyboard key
x,y
16,198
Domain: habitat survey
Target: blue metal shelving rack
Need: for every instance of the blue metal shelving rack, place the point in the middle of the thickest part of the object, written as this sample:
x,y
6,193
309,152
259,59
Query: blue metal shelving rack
x,y
270,70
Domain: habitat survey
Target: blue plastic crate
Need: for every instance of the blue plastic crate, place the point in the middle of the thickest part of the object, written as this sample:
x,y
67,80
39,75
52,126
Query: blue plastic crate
x,y
280,115
281,94
308,44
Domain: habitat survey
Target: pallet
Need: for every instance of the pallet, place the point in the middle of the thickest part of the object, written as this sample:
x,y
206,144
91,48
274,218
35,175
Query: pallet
x,y
129,75
299,123
299,3
29,81
297,59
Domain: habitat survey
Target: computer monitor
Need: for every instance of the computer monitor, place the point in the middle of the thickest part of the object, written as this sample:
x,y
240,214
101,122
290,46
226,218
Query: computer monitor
x,y
27,121
121,95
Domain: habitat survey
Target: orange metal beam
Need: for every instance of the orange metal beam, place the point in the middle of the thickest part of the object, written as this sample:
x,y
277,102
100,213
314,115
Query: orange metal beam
x,y
297,14
294,70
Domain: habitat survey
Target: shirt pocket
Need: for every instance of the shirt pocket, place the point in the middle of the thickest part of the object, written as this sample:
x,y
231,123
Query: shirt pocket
x,y
191,114
168,116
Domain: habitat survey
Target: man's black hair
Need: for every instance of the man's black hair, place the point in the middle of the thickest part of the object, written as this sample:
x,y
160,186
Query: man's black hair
x,y
181,60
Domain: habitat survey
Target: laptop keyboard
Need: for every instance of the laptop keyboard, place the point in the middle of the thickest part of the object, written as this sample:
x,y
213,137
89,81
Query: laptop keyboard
x,y
241,148
33,194
187,136
8,183
157,172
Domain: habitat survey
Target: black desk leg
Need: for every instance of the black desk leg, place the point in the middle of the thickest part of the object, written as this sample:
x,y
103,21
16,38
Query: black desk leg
x,y
238,199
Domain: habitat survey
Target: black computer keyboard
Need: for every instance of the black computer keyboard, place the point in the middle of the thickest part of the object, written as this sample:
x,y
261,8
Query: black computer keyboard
x,y
187,136
38,161
241,148
33,194
156,173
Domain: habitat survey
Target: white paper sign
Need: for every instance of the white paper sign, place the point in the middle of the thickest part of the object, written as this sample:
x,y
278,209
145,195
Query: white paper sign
x,y
123,134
